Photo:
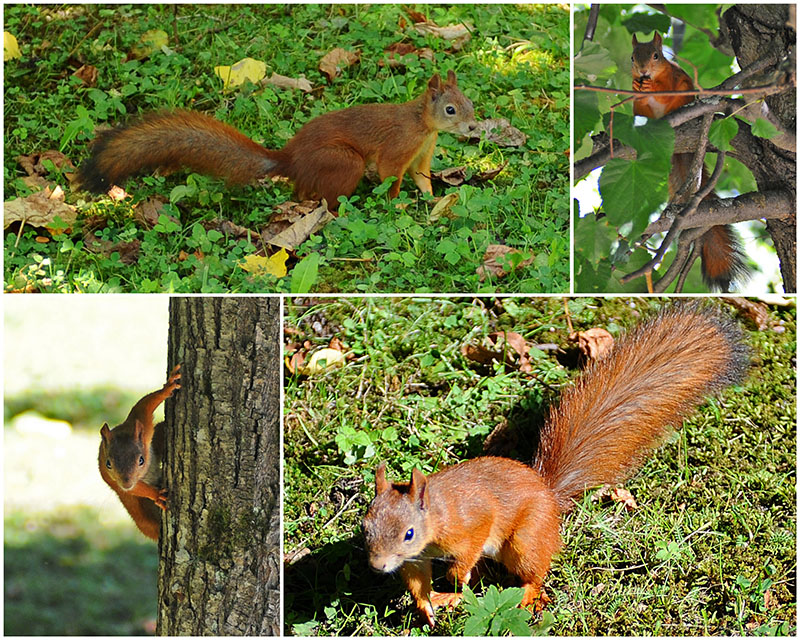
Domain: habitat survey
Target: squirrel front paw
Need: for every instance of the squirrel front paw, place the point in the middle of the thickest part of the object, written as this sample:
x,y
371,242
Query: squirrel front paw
x,y
161,499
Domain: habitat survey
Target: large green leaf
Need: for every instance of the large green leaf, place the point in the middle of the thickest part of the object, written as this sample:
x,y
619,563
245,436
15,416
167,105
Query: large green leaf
x,y
586,113
632,190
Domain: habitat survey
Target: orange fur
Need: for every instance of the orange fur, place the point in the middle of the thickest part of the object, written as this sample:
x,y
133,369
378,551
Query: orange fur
x,y
721,258
130,459
325,159
618,411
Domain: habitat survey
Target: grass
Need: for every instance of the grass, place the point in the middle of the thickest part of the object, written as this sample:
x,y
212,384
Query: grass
x,y
515,66
710,550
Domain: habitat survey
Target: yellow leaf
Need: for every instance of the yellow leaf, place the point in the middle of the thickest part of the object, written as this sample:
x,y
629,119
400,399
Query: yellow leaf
x,y
274,265
153,40
10,47
245,69
321,360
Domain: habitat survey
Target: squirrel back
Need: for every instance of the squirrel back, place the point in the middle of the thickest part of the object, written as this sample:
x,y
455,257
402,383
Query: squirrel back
x,y
623,405
325,159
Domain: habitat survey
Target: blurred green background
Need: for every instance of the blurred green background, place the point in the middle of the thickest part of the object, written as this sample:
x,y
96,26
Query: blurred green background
x,y
74,562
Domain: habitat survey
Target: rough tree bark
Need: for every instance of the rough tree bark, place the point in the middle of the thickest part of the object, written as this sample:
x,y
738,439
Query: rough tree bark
x,y
219,547
756,30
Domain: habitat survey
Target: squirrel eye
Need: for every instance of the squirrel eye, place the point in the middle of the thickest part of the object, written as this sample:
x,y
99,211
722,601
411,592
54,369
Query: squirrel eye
x,y
450,110
655,56
409,534
108,463
141,460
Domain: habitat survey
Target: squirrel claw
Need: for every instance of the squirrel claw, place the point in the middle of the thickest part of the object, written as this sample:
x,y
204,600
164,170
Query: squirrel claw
x,y
449,600
161,499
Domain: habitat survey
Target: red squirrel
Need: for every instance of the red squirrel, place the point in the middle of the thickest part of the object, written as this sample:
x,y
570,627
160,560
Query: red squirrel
x,y
616,413
130,459
325,159
722,259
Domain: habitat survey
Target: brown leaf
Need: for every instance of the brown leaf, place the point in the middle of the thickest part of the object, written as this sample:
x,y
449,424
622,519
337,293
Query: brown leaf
x,y
395,52
456,176
335,343
334,61
284,82
415,15
300,230
594,343
625,497
87,74
755,312
480,354
33,163
491,266
499,131
457,34
146,213
39,209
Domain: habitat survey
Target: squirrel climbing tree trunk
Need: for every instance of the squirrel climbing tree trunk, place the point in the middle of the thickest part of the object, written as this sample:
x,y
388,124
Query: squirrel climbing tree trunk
x,y
219,547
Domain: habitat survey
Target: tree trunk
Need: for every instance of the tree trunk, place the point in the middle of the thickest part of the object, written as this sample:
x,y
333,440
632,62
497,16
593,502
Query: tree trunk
x,y
756,31
219,548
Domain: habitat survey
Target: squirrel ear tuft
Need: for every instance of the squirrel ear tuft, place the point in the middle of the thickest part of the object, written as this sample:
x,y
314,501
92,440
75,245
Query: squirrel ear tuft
x,y
657,39
635,41
105,432
380,479
451,78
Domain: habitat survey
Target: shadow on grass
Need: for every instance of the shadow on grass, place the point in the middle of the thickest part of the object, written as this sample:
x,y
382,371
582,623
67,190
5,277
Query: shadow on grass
x,y
65,575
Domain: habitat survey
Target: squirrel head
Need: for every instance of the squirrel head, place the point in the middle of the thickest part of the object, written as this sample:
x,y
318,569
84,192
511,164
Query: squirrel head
x,y
646,56
449,109
396,525
126,459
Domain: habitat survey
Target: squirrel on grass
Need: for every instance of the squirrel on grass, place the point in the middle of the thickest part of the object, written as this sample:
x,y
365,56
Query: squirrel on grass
x,y
721,257
618,410
325,159
130,459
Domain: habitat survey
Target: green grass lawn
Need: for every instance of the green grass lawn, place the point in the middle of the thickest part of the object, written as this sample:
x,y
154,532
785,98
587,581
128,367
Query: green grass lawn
x,y
710,550
515,66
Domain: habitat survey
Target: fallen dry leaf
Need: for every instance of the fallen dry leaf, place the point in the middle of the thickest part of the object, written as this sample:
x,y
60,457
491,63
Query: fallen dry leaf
x,y
457,34
147,212
491,265
593,343
334,61
39,209
87,74
443,207
395,52
298,232
285,82
322,360
456,176
499,131
756,312
33,164
625,497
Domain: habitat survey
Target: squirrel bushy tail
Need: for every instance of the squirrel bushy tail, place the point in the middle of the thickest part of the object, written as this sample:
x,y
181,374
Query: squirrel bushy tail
x,y
622,406
171,141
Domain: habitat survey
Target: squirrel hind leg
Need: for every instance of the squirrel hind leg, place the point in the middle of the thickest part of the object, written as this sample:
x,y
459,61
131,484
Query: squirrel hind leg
x,y
328,172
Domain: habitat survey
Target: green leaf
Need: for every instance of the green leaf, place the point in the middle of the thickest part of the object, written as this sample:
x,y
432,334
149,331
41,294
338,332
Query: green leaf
x,y
722,132
631,191
304,274
586,112
594,61
764,129
647,22
655,137
594,237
